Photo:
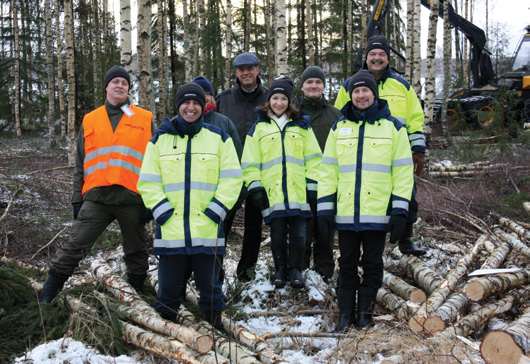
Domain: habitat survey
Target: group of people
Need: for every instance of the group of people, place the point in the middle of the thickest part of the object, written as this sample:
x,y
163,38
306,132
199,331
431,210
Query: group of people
x,y
302,166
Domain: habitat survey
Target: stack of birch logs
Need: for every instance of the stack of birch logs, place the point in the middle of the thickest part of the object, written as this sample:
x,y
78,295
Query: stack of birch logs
x,y
457,305
462,170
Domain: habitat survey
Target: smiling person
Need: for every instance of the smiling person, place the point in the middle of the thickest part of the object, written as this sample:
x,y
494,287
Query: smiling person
x,y
109,152
405,106
364,189
280,164
190,178
322,117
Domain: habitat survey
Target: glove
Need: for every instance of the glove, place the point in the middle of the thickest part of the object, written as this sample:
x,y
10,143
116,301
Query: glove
x,y
418,160
145,215
396,226
326,223
76,206
259,198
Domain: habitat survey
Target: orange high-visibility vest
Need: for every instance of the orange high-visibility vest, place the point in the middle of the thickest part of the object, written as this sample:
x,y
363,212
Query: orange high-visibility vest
x,y
115,157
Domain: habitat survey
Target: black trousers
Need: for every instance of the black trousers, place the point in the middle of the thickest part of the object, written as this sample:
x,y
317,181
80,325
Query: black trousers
x,y
251,239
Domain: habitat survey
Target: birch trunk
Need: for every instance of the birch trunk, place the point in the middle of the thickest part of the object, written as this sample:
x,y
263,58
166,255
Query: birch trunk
x,y
349,34
403,289
246,37
394,303
466,52
163,108
515,227
18,122
186,42
200,54
447,313
270,50
508,345
514,242
143,70
490,285
363,25
228,63
426,278
478,318
70,75
125,35
437,298
447,72
409,50
281,39
50,74
310,43
430,77
416,73
60,90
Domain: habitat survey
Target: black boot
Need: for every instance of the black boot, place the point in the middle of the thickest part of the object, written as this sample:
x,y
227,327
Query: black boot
x,y
54,283
215,318
296,257
137,281
406,245
280,265
365,306
346,310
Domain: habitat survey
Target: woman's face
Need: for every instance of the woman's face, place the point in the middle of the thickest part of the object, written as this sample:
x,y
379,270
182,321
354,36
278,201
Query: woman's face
x,y
279,104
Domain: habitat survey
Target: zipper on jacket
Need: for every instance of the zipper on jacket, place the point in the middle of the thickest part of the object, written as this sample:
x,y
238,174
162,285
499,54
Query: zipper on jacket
x,y
187,198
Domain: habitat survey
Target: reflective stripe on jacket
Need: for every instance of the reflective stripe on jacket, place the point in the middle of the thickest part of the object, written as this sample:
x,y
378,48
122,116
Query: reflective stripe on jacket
x,y
403,103
285,163
114,158
366,172
190,180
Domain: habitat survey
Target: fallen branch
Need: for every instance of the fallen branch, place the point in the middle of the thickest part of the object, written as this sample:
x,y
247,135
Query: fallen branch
x,y
9,204
49,169
437,298
48,244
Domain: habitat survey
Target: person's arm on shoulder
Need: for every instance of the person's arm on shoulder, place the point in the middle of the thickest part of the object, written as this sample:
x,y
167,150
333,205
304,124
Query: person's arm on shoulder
x,y
342,97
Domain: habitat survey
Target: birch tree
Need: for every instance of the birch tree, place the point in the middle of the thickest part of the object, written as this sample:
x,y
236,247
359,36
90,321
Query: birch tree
x,y
310,43
447,71
409,50
162,51
269,40
228,63
70,76
60,47
125,35
18,123
281,39
247,11
96,48
143,70
50,74
430,82
416,72
466,52
186,43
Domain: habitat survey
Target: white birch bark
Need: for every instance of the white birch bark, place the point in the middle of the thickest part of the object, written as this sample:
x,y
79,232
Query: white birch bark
x,y
125,35
50,74
70,75
143,71
228,62
281,39
430,80
60,90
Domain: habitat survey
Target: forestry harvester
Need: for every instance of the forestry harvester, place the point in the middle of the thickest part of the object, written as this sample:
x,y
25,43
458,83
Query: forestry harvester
x,y
476,104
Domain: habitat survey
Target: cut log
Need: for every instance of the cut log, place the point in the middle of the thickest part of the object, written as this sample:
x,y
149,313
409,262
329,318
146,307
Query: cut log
x,y
424,276
438,297
508,345
447,313
480,317
490,285
144,314
403,289
515,227
497,256
514,242
394,303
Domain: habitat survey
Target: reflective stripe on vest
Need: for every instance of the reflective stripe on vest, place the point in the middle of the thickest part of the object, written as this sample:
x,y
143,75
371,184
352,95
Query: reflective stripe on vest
x,y
115,157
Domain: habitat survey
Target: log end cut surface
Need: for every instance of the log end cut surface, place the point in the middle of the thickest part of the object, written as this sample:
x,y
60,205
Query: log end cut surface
x,y
418,296
433,325
499,347
475,291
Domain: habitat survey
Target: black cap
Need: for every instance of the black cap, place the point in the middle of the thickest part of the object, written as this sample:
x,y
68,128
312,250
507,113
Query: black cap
x,y
281,85
378,41
363,78
116,71
313,72
190,91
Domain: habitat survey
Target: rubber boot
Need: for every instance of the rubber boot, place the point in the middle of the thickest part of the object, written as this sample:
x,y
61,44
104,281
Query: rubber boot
x,y
365,306
215,318
280,265
137,281
406,245
296,257
54,283
346,310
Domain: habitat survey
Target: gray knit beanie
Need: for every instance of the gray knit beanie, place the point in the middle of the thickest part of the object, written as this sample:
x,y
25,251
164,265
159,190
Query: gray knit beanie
x,y
313,72
116,71
363,78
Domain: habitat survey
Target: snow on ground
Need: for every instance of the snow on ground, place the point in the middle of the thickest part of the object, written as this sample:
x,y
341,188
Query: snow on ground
x,y
69,351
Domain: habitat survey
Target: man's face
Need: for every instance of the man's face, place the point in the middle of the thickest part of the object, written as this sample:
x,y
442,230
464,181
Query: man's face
x,y
362,98
117,90
190,111
313,88
376,61
247,76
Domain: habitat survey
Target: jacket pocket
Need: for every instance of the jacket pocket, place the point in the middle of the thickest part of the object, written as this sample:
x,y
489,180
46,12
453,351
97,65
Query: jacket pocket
x,y
207,168
90,139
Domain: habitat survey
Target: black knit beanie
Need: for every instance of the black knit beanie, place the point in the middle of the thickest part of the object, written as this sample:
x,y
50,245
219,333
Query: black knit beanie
x,y
190,91
363,78
378,41
281,85
116,71
313,72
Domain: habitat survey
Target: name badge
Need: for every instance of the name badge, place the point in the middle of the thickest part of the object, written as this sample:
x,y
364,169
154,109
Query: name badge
x,y
127,110
345,131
